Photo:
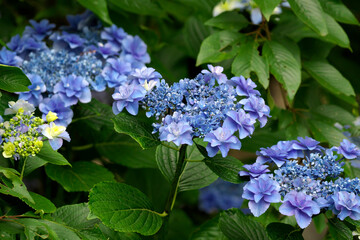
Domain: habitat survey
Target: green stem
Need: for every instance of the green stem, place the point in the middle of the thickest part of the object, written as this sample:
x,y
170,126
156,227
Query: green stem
x,y
83,147
23,169
194,160
84,118
175,183
168,146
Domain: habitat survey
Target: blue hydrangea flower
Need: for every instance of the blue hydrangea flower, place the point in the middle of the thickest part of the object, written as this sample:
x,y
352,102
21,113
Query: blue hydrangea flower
x,y
254,170
300,205
178,133
346,205
261,192
114,36
348,149
257,109
240,121
221,195
307,144
71,39
39,30
56,105
73,89
244,87
221,139
9,58
36,88
128,96
140,75
216,73
136,48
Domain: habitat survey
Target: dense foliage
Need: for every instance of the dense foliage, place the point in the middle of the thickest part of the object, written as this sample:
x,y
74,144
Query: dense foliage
x,y
154,98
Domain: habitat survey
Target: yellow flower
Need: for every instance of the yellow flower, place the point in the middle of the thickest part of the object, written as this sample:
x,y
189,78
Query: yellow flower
x,y
51,116
9,149
39,144
53,131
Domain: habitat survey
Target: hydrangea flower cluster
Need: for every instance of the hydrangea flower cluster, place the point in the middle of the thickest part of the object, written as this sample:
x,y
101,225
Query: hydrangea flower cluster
x,y
66,64
23,135
220,195
247,5
307,180
210,106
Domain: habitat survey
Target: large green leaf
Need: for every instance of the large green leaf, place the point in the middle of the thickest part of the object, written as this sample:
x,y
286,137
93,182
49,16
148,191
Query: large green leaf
x,y
218,47
167,159
142,7
140,131
281,231
124,208
227,168
82,176
12,185
267,7
42,204
48,155
324,131
12,79
235,225
336,33
329,77
208,231
311,13
248,60
339,11
284,66
336,113
228,21
339,230
99,7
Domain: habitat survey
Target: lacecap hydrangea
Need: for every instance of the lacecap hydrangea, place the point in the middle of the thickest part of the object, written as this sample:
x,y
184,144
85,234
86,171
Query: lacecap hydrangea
x,y
23,135
219,110
65,64
307,179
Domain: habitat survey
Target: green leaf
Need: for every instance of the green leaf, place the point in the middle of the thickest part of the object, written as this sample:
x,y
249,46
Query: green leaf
x,y
228,21
235,225
141,7
42,204
167,159
281,231
324,131
12,185
180,225
218,47
196,175
111,234
339,230
339,11
336,113
329,77
248,60
82,176
267,7
208,231
99,7
284,66
311,13
320,223
137,129
227,168
336,33
124,208
48,155
12,79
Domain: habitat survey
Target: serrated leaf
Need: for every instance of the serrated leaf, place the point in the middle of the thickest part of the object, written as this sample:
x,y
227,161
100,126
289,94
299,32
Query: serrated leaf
x,y
99,7
267,7
124,208
339,230
41,204
48,155
284,66
141,7
135,128
218,46
208,231
235,225
82,176
12,79
228,21
311,13
12,185
329,77
248,60
226,168
339,11
324,131
167,159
